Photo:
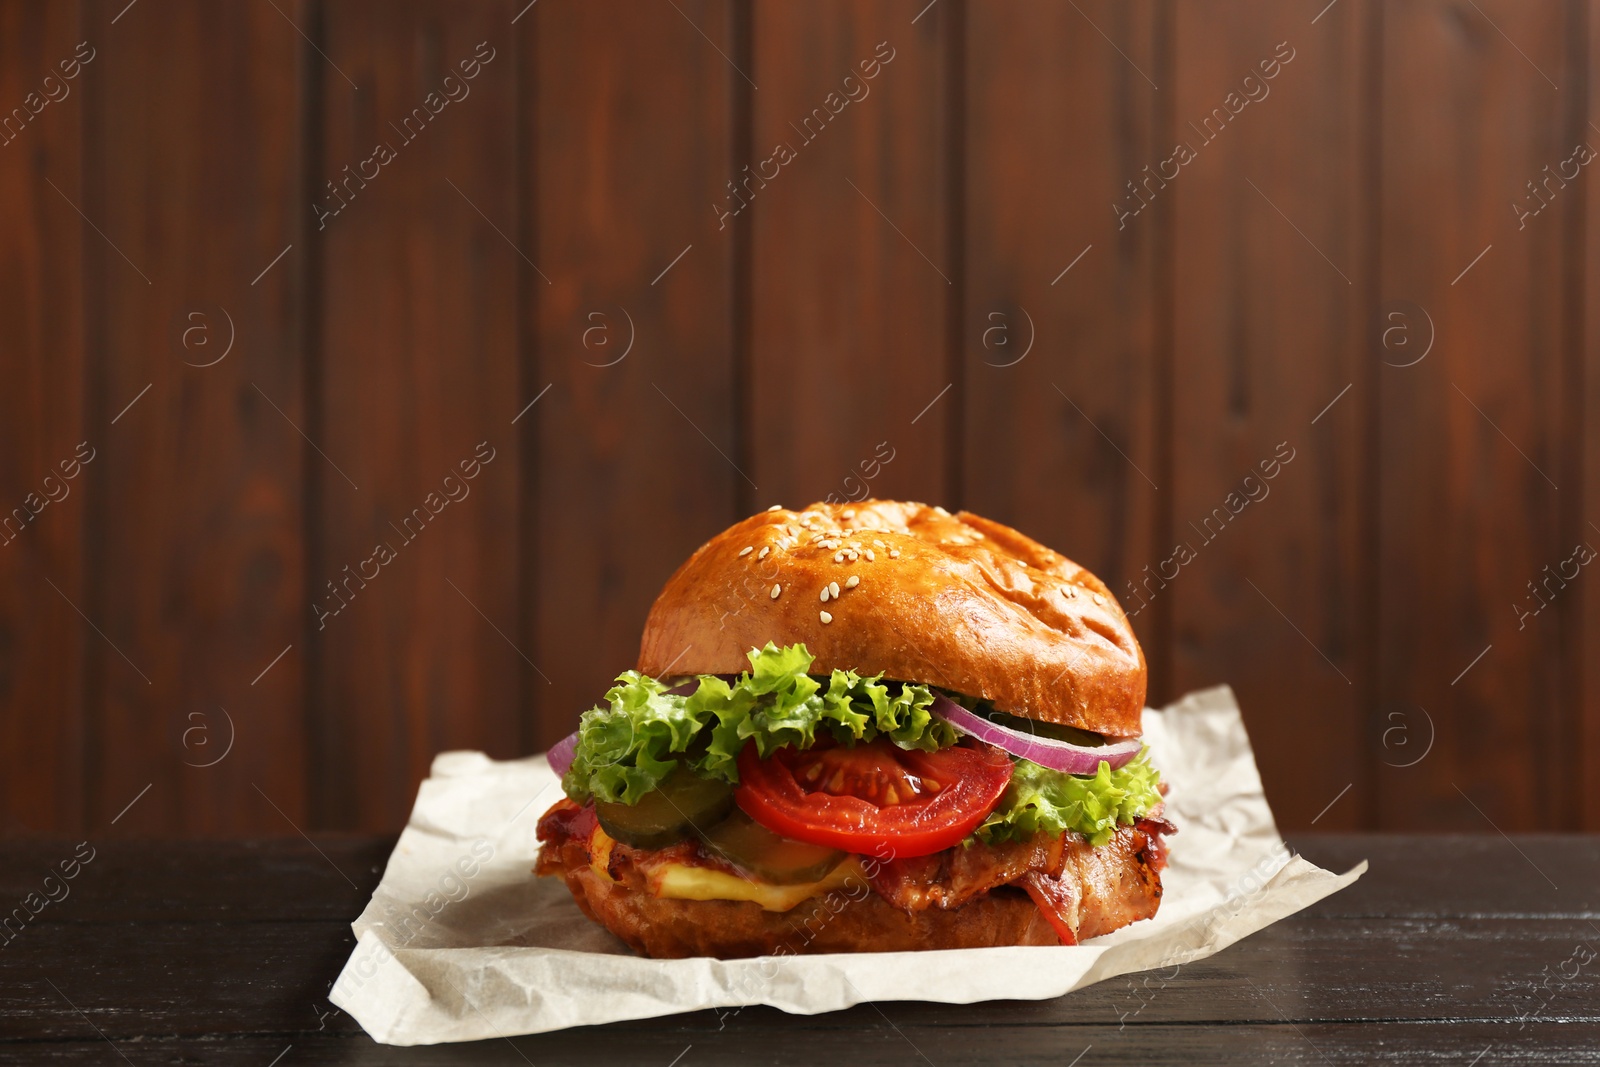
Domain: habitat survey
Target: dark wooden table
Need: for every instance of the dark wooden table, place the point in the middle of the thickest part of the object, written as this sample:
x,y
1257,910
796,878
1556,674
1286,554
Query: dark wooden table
x,y
1467,950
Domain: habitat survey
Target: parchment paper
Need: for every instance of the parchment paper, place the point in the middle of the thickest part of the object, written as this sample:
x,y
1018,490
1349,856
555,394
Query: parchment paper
x,y
459,942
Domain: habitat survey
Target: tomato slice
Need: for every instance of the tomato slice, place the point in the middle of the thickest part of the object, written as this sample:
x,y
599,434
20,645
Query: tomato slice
x,y
876,798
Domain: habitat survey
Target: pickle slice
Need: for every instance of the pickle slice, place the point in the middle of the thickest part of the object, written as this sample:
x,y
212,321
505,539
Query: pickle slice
x,y
682,805
770,857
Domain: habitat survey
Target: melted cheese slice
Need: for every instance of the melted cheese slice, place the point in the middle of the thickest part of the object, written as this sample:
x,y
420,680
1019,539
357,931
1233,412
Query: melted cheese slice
x,y
600,844
682,882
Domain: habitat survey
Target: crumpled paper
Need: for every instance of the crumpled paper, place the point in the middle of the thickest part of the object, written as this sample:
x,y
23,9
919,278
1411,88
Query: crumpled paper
x,y
459,942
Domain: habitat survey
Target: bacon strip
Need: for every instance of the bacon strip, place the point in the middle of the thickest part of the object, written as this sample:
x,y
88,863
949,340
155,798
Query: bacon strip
x,y
950,878
1081,890
1058,900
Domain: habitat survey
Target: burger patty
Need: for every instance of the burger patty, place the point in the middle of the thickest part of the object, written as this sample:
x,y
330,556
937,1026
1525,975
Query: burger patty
x,y
1038,892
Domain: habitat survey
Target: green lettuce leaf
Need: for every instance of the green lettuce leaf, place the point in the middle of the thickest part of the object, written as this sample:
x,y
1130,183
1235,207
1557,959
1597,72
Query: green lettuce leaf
x,y
1092,805
641,732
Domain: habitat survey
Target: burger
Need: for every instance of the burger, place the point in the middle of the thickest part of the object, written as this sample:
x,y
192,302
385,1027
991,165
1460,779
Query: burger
x,y
865,727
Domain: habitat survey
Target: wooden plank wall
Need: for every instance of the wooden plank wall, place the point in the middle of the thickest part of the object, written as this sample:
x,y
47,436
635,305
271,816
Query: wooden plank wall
x,y
417,349
638,453
43,423
1585,454
415,344
1476,440
195,525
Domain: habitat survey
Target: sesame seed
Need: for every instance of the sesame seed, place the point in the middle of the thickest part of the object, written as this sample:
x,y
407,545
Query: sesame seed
x,y
826,618
776,590
776,507
876,543
746,550
1098,599
763,553
824,594
894,553
833,590
852,581
848,513
838,557
870,557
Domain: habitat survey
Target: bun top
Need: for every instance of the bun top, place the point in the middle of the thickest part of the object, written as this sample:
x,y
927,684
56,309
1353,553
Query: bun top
x,y
913,593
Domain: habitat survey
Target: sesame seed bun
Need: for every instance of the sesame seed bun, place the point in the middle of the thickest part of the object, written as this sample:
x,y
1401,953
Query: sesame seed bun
x,y
955,601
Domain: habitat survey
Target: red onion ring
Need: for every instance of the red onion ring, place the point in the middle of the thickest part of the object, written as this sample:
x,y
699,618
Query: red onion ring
x,y
1045,751
560,755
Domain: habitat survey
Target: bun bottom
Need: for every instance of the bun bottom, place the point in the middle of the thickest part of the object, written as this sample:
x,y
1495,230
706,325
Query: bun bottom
x,y
852,918
844,921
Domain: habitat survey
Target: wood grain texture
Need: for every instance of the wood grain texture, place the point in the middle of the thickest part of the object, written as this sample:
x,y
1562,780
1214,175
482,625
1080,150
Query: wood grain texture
x,y
42,422
851,260
1326,974
828,321
1270,257
632,112
1058,329
1434,955
199,566
1587,749
1470,505
131,882
417,554
875,1042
